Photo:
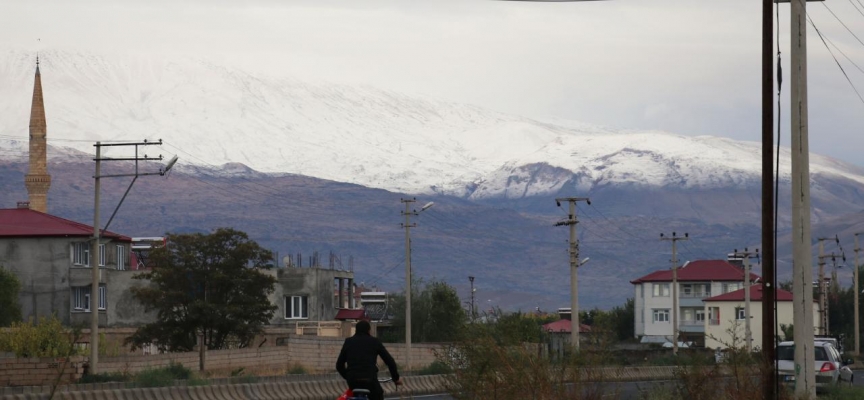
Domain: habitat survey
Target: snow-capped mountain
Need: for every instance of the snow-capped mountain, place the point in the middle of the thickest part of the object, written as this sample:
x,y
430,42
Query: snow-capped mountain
x,y
212,115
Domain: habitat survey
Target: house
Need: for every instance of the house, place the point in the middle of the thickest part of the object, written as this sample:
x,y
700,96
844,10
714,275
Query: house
x,y
697,280
724,325
305,296
51,258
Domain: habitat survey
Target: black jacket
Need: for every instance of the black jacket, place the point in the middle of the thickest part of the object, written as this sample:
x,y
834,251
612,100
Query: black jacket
x,y
360,352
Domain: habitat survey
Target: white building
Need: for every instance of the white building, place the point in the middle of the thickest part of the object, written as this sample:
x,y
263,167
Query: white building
x,y
697,280
724,326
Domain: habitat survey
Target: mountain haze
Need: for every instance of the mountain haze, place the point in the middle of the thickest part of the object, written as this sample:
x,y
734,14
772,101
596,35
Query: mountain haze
x,y
312,166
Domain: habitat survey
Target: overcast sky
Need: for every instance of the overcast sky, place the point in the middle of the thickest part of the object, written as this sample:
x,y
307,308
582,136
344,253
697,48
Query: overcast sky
x,y
684,66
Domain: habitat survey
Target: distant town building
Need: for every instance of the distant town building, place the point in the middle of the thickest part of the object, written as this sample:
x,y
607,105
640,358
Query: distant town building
x,y
51,258
697,280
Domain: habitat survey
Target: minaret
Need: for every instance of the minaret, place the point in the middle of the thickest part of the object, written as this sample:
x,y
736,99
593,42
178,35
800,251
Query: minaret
x,y
37,179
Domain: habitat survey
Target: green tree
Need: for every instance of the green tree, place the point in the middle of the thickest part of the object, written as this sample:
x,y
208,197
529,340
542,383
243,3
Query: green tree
x,y
436,313
10,310
206,283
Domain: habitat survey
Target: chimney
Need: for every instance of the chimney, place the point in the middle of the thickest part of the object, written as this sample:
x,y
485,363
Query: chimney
x,y
735,260
565,313
24,204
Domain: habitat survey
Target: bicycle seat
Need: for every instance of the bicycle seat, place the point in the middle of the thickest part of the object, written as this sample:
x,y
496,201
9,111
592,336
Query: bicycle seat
x,y
361,391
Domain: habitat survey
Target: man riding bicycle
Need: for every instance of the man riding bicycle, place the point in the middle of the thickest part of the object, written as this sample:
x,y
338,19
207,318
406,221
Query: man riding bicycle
x,y
360,352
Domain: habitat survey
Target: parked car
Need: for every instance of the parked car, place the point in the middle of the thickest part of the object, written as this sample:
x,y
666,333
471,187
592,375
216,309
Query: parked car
x,y
830,369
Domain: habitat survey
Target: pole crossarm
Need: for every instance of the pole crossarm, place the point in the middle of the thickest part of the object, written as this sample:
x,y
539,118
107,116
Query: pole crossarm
x,y
573,245
95,253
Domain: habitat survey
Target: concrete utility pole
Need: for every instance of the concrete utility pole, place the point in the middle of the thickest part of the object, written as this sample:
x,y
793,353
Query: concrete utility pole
x,y
857,349
574,265
95,254
674,239
823,301
802,264
748,334
471,279
408,225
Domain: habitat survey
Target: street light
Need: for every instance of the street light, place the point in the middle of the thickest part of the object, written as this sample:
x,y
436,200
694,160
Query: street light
x,y
407,225
94,253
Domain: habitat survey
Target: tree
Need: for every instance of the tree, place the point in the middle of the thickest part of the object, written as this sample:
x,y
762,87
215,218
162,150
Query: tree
x,y
206,283
436,313
10,310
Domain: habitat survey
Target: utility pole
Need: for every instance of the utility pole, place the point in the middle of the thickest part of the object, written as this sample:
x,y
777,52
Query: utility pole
x,y
574,265
857,349
823,303
674,239
748,334
471,279
408,225
802,264
824,320
95,254
769,352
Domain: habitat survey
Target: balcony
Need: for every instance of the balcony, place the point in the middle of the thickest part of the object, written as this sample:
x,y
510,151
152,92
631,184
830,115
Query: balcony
x,y
691,326
696,295
713,322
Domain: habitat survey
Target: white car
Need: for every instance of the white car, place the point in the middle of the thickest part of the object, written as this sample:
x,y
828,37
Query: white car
x,y
831,370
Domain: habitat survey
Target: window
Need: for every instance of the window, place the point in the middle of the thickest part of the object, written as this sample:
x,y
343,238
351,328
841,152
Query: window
x,y
739,313
642,291
102,297
81,253
661,315
713,316
121,258
661,290
81,298
296,307
700,315
731,287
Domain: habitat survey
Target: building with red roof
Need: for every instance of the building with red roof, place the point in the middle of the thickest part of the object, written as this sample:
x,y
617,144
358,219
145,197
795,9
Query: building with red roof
x,y
51,257
697,280
726,315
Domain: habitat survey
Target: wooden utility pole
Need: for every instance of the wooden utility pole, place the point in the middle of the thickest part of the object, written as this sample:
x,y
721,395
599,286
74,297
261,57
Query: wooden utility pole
x,y
573,245
674,239
769,377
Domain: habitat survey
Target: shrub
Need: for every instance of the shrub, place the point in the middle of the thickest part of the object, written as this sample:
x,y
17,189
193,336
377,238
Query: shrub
x,y
104,377
159,377
297,369
47,338
436,368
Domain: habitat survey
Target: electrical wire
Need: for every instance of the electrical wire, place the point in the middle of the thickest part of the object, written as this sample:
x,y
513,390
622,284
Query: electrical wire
x,y
841,23
835,57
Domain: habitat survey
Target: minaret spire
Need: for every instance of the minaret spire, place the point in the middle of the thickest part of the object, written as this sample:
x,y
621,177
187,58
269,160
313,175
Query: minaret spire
x,y
37,179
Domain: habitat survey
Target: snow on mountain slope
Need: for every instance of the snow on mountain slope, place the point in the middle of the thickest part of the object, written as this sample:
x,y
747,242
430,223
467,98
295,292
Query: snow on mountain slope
x,y
212,115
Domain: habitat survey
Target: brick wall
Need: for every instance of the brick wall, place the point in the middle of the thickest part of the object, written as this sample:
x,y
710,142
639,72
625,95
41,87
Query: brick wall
x,y
315,354
40,371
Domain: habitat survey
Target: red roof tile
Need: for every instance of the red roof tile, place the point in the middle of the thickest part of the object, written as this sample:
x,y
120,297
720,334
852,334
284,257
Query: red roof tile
x,y
699,271
564,325
345,313
24,222
755,295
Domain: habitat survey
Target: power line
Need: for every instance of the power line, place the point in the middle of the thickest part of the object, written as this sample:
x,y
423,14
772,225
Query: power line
x,y
834,57
841,23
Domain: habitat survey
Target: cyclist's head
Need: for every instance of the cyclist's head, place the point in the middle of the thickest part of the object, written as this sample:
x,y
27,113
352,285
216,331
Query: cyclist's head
x,y
363,327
